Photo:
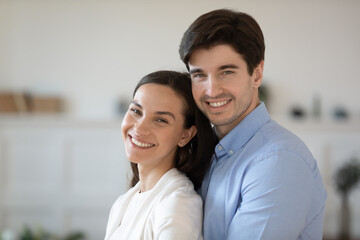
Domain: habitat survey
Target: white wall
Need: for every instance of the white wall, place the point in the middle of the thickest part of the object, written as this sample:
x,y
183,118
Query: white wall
x,y
94,52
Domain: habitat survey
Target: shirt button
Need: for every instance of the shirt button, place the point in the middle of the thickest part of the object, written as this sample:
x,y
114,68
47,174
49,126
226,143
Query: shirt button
x,y
220,148
231,152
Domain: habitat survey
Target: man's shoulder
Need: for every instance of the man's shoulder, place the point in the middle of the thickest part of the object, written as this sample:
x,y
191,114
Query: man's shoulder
x,y
273,138
277,134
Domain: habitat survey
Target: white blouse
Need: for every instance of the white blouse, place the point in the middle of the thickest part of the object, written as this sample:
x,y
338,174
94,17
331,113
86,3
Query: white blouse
x,y
172,210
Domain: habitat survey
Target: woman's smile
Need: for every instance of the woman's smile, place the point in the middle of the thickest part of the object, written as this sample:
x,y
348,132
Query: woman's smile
x,y
140,143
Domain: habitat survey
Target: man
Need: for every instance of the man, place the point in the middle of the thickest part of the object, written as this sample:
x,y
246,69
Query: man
x,y
263,182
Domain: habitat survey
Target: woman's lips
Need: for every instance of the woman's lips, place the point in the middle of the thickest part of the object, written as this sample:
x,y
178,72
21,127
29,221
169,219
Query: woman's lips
x,y
139,143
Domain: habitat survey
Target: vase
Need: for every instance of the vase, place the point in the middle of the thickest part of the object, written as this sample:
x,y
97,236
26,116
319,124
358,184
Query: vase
x,y
345,218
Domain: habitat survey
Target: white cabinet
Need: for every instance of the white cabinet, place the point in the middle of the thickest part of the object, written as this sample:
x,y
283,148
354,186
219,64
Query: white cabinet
x,y
61,175
64,175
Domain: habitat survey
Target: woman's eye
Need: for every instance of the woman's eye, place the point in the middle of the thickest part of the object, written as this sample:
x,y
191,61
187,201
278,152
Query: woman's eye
x,y
134,110
161,120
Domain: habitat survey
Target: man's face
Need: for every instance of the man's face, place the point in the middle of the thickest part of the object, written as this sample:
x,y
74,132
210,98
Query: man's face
x,y
222,87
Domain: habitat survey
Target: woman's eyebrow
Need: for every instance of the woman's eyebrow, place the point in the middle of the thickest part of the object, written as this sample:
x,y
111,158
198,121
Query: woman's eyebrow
x,y
166,113
137,104
158,112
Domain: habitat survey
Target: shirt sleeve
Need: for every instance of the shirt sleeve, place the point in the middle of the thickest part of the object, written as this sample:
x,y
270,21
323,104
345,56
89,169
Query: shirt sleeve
x,y
179,217
275,198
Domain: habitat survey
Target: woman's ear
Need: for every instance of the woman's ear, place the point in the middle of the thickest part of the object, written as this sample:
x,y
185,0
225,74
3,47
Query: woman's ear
x,y
258,74
187,136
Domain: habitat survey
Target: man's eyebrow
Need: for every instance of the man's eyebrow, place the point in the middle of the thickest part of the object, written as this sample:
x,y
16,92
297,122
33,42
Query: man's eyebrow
x,y
228,66
195,70
222,67
166,113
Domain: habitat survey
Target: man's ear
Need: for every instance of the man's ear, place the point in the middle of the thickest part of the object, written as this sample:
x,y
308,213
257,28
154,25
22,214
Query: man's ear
x,y
187,136
258,74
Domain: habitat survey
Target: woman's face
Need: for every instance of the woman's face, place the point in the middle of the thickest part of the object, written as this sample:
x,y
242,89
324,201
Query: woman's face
x,y
153,126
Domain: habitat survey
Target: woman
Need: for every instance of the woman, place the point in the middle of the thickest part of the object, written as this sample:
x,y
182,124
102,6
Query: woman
x,y
169,143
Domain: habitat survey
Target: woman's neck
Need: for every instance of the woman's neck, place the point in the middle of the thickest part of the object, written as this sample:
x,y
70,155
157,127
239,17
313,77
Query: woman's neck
x,y
149,177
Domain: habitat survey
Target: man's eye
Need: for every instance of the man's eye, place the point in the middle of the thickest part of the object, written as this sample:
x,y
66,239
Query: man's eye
x,y
227,72
198,75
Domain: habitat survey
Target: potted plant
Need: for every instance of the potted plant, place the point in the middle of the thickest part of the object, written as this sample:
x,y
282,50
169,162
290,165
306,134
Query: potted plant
x,y
39,234
346,178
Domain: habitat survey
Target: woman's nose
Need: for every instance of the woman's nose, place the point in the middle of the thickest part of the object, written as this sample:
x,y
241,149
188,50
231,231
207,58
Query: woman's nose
x,y
142,126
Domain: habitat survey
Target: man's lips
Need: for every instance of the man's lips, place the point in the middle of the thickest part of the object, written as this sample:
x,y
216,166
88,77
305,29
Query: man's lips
x,y
218,104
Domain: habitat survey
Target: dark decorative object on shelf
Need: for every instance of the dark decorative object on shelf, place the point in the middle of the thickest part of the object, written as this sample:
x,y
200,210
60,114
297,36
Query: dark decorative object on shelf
x,y
297,112
346,178
316,106
340,113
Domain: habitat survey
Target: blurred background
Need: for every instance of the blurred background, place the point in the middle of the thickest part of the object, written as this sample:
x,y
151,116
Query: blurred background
x,y
67,72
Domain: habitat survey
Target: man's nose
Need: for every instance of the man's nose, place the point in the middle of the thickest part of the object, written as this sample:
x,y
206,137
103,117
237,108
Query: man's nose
x,y
213,86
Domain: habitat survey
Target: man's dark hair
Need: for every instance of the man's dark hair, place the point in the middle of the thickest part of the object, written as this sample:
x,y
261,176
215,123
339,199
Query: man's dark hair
x,y
224,26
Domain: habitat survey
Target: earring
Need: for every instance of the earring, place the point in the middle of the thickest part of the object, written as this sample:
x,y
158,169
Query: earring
x,y
181,144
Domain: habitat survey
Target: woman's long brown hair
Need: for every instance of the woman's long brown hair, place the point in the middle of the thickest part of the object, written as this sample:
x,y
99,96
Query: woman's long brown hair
x,y
194,158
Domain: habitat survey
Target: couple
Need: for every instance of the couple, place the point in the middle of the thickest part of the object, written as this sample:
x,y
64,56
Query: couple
x,y
256,179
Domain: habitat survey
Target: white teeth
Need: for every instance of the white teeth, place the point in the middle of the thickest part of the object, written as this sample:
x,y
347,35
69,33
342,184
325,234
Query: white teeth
x,y
140,144
218,104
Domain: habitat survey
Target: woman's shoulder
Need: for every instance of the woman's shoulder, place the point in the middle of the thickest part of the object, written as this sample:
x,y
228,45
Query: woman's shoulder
x,y
178,210
178,198
126,197
176,182
178,189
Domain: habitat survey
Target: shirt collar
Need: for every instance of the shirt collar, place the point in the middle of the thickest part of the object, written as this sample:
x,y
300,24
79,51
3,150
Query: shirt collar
x,y
242,132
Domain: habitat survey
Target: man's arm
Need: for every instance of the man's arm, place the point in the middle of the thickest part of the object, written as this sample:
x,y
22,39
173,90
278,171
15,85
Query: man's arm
x,y
275,198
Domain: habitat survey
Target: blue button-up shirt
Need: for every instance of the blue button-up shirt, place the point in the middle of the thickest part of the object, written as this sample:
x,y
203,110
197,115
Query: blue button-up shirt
x,y
263,184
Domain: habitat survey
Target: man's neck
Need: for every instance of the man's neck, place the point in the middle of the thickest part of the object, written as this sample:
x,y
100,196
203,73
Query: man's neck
x,y
222,131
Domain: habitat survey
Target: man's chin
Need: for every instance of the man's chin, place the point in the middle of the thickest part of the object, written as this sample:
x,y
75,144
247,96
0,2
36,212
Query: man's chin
x,y
221,122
